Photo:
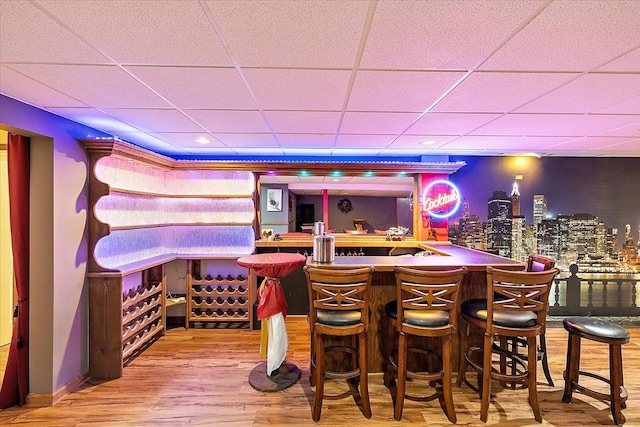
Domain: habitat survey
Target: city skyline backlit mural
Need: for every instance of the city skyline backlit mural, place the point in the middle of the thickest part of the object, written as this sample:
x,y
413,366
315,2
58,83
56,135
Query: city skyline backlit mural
x,y
593,197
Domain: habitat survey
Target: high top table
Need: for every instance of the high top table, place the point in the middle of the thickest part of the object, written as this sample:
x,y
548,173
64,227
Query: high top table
x,y
275,374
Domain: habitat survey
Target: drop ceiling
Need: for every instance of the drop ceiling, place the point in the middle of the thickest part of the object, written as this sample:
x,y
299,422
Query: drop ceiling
x,y
334,78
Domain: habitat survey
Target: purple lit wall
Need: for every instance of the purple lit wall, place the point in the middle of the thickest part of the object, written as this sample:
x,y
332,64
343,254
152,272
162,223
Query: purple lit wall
x,y
58,301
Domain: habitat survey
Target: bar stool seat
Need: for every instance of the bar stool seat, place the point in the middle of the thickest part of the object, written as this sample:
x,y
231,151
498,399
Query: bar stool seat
x,y
339,318
605,332
477,309
424,318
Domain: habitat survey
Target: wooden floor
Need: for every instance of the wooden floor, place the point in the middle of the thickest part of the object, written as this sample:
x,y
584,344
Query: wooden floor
x,y
199,377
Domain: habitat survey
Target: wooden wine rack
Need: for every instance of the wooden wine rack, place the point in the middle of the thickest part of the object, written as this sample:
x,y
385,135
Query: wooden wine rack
x,y
141,317
124,321
217,299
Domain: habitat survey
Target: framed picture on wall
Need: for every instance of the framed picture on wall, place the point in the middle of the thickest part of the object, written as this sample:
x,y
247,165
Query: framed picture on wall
x,y
274,200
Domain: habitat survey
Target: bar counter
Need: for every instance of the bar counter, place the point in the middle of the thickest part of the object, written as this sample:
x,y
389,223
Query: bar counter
x,y
444,255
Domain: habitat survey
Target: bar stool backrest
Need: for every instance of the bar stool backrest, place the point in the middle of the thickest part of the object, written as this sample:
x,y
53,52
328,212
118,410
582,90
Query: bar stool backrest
x,y
539,263
339,290
518,291
428,290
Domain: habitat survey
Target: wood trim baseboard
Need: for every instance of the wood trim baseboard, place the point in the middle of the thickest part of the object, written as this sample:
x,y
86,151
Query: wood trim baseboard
x,y
41,400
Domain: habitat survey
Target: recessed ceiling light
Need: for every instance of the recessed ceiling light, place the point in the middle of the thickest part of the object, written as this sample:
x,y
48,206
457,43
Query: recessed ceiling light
x,y
336,179
203,140
428,142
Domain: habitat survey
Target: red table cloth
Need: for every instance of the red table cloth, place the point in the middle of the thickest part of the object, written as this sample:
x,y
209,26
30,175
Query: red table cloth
x,y
273,267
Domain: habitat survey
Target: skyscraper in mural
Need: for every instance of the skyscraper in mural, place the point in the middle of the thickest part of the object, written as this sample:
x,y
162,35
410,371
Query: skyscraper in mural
x,y
515,199
539,208
499,224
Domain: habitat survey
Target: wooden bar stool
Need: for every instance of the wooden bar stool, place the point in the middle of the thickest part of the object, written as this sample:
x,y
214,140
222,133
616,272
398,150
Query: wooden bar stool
x,y
602,331
516,307
426,306
339,307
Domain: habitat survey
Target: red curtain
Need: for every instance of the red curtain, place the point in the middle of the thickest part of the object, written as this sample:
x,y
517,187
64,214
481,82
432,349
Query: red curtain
x,y
15,385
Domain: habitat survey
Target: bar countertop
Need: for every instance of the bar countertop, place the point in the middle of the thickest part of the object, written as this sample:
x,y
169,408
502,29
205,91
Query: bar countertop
x,y
342,240
444,255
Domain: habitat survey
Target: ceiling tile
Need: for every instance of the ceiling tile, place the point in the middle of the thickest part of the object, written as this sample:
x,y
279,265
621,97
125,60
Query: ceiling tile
x,y
627,106
144,32
303,121
299,89
150,142
229,120
626,148
311,179
377,123
28,35
523,124
21,87
306,140
249,140
599,144
434,123
356,151
562,37
307,151
363,141
440,35
255,151
86,84
589,93
505,144
413,142
399,90
631,130
499,92
626,63
197,87
150,120
609,124
94,118
187,140
280,33
211,152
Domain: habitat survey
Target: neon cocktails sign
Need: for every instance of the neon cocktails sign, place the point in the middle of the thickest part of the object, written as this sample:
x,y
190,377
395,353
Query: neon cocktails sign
x,y
441,199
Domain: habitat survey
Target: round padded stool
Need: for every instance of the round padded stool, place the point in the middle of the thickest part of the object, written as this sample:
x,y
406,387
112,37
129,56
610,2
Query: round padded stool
x,y
602,331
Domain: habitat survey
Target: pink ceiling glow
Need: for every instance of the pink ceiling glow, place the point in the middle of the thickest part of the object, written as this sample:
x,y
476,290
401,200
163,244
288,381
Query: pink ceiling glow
x,y
351,78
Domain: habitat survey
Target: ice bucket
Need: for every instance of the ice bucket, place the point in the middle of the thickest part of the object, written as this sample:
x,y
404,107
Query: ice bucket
x,y
318,228
323,248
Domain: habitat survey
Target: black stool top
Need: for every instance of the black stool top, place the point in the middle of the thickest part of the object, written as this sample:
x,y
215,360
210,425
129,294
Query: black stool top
x,y
598,329
421,318
477,309
339,317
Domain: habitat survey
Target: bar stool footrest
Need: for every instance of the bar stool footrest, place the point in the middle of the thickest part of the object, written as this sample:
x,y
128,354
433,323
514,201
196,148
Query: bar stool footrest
x,y
419,375
339,375
519,377
596,394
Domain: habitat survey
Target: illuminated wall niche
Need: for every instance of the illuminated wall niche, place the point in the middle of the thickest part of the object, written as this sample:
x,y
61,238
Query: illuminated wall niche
x,y
151,210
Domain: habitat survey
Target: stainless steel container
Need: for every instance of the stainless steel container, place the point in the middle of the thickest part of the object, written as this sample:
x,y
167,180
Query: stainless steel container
x,y
318,228
324,248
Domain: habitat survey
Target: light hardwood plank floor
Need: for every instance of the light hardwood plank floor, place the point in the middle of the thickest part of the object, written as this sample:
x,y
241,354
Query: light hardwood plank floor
x,y
199,377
